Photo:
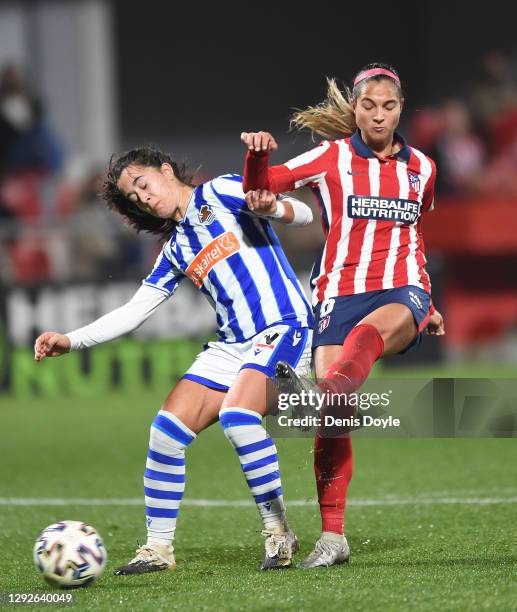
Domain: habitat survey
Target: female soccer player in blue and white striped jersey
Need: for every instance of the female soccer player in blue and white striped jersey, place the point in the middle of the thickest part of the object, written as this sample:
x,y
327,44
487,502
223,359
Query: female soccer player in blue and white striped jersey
x,y
223,242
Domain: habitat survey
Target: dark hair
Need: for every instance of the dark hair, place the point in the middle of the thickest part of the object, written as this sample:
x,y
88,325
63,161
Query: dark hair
x,y
148,157
356,90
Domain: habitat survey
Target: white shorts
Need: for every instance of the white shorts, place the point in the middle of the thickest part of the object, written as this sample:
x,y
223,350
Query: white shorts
x,y
219,363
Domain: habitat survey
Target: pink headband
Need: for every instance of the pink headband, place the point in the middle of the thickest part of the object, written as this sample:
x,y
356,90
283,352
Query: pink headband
x,y
374,72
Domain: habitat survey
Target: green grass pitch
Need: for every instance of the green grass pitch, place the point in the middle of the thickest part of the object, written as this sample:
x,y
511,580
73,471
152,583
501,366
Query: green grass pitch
x,y
431,523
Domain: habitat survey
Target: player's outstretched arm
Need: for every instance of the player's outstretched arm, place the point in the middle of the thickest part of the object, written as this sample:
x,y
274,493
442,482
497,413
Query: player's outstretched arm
x,y
51,344
284,209
309,167
112,325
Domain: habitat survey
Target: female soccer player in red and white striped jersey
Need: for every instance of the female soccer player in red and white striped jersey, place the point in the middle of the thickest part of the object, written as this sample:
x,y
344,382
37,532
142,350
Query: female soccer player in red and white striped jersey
x,y
371,289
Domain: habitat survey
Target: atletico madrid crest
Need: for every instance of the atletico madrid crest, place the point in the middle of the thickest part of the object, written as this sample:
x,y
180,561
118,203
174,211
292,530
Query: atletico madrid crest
x,y
414,180
323,324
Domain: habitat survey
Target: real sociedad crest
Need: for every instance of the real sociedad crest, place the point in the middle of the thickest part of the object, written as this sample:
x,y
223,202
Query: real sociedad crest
x,y
206,214
414,180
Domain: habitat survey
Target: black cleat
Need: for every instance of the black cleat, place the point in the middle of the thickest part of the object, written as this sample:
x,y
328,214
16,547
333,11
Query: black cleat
x,y
288,381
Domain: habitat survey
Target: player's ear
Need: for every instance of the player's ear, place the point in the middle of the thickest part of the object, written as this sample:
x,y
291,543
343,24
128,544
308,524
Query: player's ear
x,y
402,104
166,169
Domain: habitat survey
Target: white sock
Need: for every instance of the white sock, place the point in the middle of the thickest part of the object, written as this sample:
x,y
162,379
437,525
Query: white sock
x,y
164,478
259,461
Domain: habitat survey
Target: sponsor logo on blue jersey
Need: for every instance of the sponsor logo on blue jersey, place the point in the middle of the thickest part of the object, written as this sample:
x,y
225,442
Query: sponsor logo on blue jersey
x,y
383,209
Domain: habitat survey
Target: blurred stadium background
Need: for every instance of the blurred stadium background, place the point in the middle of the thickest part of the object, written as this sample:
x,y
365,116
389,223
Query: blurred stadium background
x,y
80,80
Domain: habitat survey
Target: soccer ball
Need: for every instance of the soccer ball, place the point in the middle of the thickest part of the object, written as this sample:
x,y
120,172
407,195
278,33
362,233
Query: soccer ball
x,y
70,554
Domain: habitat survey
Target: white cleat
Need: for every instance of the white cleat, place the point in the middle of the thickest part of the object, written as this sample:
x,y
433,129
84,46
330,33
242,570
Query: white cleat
x,y
149,558
330,549
280,548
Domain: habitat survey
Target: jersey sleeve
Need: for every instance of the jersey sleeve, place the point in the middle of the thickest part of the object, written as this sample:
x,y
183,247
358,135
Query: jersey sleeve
x,y
120,321
165,276
228,190
428,197
306,168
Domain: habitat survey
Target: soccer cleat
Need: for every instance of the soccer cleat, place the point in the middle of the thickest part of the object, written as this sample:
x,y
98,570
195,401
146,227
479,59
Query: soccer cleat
x,y
280,548
330,549
288,381
149,558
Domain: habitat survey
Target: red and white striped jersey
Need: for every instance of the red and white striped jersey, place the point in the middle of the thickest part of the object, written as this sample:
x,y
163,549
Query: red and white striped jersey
x,y
371,211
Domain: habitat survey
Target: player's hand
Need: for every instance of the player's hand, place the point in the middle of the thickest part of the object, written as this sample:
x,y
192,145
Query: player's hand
x,y
261,202
51,344
259,141
435,325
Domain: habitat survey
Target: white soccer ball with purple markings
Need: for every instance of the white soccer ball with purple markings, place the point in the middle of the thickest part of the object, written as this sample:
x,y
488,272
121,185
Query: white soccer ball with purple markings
x,y
70,554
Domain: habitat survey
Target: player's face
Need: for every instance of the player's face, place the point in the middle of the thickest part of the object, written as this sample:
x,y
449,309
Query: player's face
x,y
377,112
153,190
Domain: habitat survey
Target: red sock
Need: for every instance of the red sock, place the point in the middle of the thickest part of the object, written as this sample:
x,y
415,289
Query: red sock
x,y
333,458
361,349
333,465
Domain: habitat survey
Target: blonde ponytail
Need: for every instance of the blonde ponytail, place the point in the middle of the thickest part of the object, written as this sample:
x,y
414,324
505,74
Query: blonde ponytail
x,y
332,118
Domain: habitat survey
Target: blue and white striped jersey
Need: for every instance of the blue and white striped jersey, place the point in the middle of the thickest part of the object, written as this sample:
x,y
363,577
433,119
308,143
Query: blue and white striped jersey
x,y
234,257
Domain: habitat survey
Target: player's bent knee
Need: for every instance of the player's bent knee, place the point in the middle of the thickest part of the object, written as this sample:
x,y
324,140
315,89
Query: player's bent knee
x,y
169,435
240,418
